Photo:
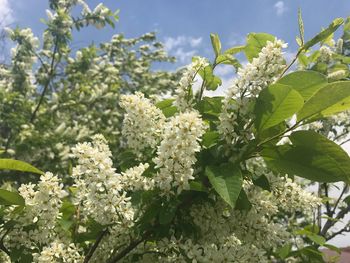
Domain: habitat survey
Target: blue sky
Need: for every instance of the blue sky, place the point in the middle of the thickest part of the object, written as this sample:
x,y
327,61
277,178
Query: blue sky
x,y
184,25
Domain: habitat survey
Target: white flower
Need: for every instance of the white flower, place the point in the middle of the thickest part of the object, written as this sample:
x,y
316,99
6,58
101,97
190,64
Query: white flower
x,y
183,95
176,152
143,123
99,188
133,180
254,77
43,202
58,252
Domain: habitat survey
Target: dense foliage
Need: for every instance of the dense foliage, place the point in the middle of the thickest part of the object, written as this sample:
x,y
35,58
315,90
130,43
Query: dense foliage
x,y
191,178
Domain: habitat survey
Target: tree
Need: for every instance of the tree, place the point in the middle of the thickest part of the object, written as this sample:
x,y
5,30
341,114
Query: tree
x,y
199,179
52,96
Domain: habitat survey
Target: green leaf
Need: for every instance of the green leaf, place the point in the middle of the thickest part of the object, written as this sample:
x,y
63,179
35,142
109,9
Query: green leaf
x,y
320,240
313,254
234,50
301,27
228,59
165,103
275,104
198,186
255,42
10,198
215,41
210,138
262,182
307,83
324,33
16,165
210,107
226,180
284,251
243,202
311,156
331,99
167,212
167,107
212,82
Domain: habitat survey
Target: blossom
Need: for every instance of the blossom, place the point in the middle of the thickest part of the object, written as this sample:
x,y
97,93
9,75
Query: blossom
x,y
133,179
57,252
43,202
183,94
255,76
99,187
176,152
143,123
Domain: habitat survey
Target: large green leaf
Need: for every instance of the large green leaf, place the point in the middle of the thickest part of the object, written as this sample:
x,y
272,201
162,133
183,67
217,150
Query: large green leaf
x,y
307,83
275,104
255,42
226,180
331,99
310,156
324,33
16,165
10,198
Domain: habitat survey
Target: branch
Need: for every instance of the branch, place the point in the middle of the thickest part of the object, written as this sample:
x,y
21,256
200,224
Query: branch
x,y
116,257
328,207
2,246
290,64
331,222
50,73
345,229
95,245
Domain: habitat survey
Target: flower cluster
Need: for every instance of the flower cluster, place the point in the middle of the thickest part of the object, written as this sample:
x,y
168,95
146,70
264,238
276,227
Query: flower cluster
x,y
255,76
99,187
291,197
42,210
287,194
19,77
176,152
58,252
143,123
184,90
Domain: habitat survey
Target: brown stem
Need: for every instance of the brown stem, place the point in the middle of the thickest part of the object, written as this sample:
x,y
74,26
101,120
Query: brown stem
x,y
50,73
345,229
116,257
2,246
95,245
328,207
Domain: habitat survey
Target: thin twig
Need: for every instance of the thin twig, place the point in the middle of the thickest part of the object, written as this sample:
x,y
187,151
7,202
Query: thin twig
x,y
290,64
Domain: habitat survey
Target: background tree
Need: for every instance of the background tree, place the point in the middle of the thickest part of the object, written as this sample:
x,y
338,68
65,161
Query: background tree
x,y
52,96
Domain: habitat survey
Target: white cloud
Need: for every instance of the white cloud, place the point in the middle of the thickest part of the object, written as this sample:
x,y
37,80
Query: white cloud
x,y
280,8
182,47
224,70
6,13
171,43
184,57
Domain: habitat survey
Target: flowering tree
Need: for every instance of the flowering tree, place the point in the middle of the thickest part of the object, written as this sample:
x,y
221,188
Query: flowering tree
x,y
199,179
53,96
